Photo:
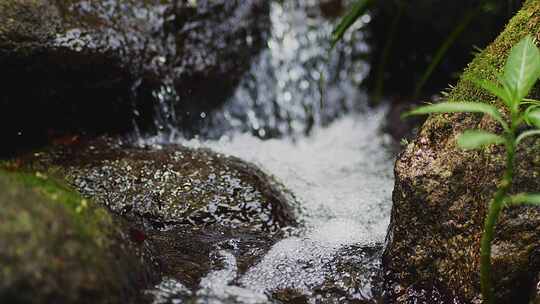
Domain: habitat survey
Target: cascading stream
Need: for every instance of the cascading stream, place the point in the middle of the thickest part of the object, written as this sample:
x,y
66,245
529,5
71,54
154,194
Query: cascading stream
x,y
341,173
342,177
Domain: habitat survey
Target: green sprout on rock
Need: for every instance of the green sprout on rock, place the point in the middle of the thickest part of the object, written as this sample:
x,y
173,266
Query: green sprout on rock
x,y
521,71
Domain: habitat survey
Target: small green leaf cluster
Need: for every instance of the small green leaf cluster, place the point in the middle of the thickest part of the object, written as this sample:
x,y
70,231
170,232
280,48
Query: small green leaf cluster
x,y
520,73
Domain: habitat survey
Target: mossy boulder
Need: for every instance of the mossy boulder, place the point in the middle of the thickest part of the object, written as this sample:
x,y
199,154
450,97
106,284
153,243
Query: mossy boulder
x,y
74,66
441,196
57,247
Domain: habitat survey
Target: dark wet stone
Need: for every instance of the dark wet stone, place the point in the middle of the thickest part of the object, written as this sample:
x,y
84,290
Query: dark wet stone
x,y
332,8
181,205
290,296
56,247
215,42
187,254
352,276
94,66
172,185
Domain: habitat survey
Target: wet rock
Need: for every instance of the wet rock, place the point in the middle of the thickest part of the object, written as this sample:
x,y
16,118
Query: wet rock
x,y
441,194
215,42
188,254
173,185
183,204
95,66
56,247
352,276
331,8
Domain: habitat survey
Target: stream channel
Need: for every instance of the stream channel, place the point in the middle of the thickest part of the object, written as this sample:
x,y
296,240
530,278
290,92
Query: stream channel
x,y
300,116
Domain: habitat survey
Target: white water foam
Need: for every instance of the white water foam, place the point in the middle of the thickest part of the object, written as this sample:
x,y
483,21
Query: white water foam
x,y
342,177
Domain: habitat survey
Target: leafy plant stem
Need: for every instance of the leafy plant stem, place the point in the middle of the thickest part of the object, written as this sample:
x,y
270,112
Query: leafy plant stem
x,y
521,72
494,211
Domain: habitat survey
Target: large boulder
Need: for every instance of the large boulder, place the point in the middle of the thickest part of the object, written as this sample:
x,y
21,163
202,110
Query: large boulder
x,y
93,66
56,247
441,194
183,204
172,184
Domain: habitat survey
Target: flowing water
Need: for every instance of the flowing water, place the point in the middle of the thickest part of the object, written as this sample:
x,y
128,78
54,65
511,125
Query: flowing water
x,y
342,177
335,160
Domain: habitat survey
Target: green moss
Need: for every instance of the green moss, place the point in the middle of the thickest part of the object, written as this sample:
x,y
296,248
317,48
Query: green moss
x,y
91,222
454,188
56,247
489,63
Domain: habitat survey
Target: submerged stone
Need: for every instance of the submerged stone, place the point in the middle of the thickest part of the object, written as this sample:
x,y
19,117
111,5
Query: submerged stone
x,y
56,247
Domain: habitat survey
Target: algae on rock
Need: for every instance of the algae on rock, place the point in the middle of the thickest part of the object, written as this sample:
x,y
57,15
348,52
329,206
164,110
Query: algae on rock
x,y
441,194
56,247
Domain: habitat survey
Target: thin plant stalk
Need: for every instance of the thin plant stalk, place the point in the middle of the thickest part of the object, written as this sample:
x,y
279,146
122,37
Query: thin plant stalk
x,y
443,49
381,68
494,211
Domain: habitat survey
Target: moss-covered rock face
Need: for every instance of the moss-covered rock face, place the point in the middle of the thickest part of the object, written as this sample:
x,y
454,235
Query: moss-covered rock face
x,y
441,195
56,247
116,60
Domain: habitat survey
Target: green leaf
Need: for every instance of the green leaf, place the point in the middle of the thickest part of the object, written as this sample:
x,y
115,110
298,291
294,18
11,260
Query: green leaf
x,y
460,107
531,101
523,199
357,10
533,117
494,89
522,68
526,134
474,139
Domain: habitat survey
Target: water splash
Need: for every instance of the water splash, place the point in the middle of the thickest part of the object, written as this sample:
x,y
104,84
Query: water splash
x,y
342,176
341,173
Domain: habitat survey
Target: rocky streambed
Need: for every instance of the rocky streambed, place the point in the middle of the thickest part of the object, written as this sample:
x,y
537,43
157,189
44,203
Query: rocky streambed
x,y
213,152
188,221
207,226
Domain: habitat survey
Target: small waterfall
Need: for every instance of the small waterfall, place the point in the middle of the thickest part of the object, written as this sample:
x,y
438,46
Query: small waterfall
x,y
300,115
295,84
